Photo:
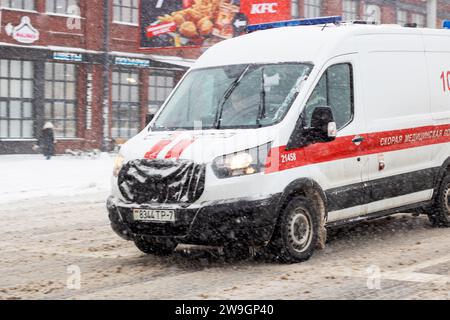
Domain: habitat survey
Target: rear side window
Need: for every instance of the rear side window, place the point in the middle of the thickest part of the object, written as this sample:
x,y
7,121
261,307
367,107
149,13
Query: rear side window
x,y
335,89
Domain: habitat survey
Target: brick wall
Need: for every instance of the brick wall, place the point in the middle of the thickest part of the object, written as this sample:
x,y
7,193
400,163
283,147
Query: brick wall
x,y
54,29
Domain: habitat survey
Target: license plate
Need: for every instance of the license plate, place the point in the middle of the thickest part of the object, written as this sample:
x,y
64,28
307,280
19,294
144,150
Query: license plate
x,y
147,215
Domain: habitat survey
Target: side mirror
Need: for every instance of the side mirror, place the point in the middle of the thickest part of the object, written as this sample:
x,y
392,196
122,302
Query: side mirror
x,y
332,130
149,117
321,117
322,129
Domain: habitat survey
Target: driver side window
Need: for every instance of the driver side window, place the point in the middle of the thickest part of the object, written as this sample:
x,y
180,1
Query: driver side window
x,y
335,89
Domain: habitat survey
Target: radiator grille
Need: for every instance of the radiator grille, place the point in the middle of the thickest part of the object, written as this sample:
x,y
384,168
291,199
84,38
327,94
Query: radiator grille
x,y
162,181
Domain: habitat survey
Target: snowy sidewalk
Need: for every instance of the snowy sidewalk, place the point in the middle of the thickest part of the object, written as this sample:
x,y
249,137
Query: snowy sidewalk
x,y
31,176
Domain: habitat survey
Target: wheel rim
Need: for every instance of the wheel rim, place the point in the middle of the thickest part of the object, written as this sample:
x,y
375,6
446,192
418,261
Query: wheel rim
x,y
300,230
447,199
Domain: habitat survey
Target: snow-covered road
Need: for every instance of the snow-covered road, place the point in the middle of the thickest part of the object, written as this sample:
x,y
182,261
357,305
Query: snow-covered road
x,y
46,241
30,176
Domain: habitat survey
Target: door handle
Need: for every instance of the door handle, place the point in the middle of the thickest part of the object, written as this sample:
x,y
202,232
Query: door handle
x,y
358,140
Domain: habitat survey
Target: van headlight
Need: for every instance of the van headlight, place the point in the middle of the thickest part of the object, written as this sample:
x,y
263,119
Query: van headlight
x,y
243,163
118,164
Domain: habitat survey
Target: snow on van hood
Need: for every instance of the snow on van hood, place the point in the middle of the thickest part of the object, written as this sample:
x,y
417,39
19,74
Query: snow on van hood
x,y
198,146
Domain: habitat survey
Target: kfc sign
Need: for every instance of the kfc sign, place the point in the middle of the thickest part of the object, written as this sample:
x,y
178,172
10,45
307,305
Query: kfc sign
x,y
262,8
262,11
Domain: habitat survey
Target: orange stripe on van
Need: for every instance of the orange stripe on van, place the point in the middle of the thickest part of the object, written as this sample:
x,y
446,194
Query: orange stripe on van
x,y
178,149
156,149
280,159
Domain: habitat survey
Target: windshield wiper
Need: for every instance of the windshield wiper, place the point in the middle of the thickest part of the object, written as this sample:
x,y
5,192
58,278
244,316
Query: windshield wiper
x,y
219,114
262,103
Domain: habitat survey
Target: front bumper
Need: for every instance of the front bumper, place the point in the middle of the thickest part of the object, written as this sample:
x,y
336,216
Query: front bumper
x,y
217,223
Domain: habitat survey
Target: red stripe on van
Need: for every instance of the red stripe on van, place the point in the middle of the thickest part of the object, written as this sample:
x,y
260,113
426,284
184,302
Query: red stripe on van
x,y
156,149
343,147
178,149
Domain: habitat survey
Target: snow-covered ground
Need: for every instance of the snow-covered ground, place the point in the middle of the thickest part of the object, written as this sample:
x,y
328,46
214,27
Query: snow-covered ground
x,y
55,230
30,176
49,244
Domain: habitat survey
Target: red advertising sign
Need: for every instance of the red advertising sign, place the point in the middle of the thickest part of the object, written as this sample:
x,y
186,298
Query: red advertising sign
x,y
262,11
194,23
162,28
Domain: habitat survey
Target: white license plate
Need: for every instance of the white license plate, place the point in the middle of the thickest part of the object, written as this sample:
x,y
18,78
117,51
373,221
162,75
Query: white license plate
x,y
147,215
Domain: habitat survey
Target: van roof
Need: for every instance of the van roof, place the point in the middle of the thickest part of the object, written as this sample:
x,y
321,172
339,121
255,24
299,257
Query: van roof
x,y
302,43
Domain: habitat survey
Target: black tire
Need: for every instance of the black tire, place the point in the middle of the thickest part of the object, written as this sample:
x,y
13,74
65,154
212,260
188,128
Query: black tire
x,y
156,247
440,213
297,233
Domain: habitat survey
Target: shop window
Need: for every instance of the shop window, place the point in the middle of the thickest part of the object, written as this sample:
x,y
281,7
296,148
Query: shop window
x,y
17,4
335,89
125,104
350,10
16,99
161,85
60,98
126,11
60,6
312,8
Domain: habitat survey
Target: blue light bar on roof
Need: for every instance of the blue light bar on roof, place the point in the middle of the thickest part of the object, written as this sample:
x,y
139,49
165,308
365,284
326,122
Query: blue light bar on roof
x,y
446,24
292,23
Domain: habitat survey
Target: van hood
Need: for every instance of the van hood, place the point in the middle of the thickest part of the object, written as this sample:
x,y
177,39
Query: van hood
x,y
197,146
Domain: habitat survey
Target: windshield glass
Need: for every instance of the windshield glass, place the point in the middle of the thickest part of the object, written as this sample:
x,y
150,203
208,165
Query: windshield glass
x,y
239,96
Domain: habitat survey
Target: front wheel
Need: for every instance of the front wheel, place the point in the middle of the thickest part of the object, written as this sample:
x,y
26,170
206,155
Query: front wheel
x,y
156,247
297,233
440,213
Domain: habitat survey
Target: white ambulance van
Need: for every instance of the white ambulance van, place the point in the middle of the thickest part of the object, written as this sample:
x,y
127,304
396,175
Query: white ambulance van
x,y
277,135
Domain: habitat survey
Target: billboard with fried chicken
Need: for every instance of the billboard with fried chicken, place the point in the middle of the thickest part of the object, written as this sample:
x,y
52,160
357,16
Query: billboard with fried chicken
x,y
202,23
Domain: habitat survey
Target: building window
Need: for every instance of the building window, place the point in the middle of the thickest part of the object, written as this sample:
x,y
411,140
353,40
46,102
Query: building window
x,y
125,104
295,9
17,4
372,13
419,19
161,84
312,8
350,10
61,6
126,11
16,97
60,98
402,17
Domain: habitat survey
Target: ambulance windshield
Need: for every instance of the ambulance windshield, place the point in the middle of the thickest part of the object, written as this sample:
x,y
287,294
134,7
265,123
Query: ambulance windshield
x,y
228,97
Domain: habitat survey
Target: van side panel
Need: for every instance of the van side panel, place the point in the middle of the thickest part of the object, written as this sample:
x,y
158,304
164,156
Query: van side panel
x,y
397,104
437,53
439,75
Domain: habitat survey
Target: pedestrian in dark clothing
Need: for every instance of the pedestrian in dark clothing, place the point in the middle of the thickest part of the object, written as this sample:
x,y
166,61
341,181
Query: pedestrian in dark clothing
x,y
47,140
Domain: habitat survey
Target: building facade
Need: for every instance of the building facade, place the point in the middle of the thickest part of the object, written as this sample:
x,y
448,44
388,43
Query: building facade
x,y
52,66
60,62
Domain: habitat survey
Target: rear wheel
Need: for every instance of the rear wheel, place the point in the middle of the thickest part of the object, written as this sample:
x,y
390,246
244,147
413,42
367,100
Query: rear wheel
x,y
297,233
156,246
440,215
